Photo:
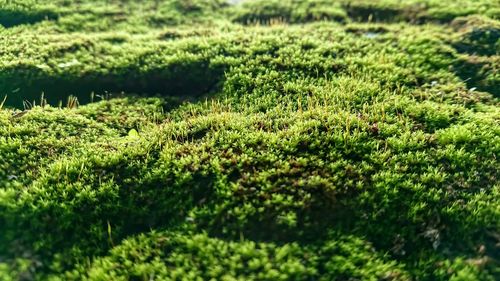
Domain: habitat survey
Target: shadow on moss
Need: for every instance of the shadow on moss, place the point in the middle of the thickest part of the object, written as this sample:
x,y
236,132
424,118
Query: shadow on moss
x,y
184,80
478,73
11,18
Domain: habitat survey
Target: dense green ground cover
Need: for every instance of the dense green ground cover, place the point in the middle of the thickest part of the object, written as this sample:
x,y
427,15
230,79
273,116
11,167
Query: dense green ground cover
x,y
269,140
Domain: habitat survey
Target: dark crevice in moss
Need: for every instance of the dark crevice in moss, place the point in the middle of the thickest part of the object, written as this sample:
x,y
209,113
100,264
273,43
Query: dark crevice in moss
x,y
373,14
11,18
483,41
477,74
187,80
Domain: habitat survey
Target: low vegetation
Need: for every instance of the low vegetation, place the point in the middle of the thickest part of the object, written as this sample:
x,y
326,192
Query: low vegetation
x,y
263,140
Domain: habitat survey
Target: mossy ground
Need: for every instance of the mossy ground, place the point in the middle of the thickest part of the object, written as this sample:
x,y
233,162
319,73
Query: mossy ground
x,y
269,140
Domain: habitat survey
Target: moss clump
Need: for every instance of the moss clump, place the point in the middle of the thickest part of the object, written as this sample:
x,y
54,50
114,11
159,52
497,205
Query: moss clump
x,y
170,256
419,12
479,35
266,12
305,148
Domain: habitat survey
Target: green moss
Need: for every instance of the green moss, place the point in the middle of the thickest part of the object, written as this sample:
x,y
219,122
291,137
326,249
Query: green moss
x,y
169,256
360,10
260,141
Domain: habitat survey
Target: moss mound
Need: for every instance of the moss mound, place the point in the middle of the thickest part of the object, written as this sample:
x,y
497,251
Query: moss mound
x,y
258,141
